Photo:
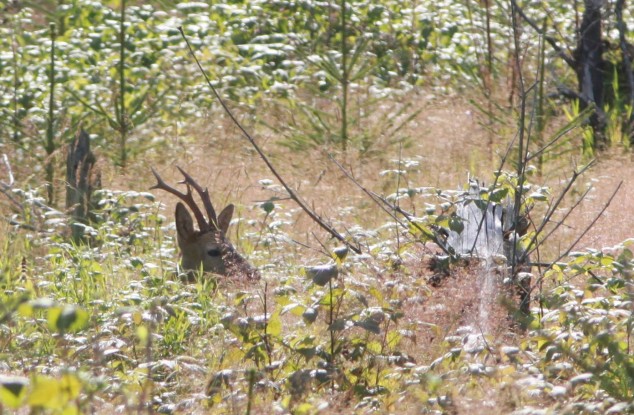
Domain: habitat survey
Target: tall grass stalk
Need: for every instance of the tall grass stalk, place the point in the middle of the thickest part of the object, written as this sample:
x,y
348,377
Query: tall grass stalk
x,y
50,131
121,113
251,380
332,330
16,84
345,81
488,78
540,115
487,7
331,323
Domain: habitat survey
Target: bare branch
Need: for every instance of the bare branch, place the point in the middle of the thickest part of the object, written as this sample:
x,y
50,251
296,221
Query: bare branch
x,y
562,220
293,195
382,203
553,208
553,43
594,221
571,247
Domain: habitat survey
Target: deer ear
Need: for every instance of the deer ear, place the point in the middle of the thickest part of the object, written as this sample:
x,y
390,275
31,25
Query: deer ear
x,y
224,219
184,222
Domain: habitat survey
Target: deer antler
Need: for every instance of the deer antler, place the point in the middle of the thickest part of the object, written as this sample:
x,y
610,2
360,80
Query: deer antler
x,y
204,196
189,199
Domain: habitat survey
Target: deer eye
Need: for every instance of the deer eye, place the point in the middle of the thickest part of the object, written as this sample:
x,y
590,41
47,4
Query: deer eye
x,y
213,252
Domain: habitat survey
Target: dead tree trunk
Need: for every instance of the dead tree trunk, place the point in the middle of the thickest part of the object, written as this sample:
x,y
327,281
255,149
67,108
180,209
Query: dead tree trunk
x,y
81,180
587,62
626,80
589,66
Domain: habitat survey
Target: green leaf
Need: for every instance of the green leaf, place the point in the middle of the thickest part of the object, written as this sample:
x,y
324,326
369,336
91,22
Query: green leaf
x,y
274,327
338,325
322,274
335,294
295,308
46,393
481,204
143,334
625,256
340,253
455,223
137,101
497,195
12,391
442,221
369,324
310,315
27,309
331,67
539,196
68,318
267,206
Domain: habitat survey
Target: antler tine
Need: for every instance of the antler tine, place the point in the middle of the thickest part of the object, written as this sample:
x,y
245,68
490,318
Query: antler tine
x,y
185,197
204,196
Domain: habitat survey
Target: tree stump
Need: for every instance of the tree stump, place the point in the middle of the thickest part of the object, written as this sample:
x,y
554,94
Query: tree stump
x,y
82,179
489,234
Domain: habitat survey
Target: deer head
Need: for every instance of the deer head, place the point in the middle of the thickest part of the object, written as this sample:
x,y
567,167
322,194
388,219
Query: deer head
x,y
207,247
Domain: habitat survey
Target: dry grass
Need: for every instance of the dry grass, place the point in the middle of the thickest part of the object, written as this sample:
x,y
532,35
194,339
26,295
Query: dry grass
x,y
449,142
615,224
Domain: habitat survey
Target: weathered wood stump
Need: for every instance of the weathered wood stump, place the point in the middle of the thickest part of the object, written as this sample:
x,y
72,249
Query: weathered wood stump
x,y
489,234
82,179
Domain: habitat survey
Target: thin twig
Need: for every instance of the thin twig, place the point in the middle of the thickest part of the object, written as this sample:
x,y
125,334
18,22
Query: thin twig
x,y
553,208
311,213
561,133
7,188
571,247
382,203
562,220
553,43
594,221
369,193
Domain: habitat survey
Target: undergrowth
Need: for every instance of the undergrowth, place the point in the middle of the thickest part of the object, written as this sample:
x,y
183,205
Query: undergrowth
x,y
110,324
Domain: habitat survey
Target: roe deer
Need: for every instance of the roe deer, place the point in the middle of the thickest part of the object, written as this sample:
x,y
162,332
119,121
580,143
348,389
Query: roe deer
x,y
208,247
